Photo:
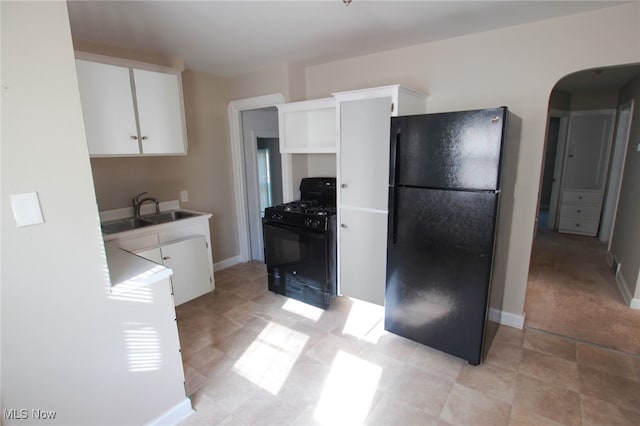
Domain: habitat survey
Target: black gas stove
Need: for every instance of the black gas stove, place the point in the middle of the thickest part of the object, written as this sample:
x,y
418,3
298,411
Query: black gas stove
x,y
300,244
304,214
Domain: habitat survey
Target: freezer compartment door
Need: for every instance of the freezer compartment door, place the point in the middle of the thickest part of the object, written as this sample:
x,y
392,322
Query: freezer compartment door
x,y
439,259
456,150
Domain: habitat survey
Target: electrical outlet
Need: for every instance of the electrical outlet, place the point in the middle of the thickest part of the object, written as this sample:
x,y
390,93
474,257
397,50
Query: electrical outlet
x,y
184,196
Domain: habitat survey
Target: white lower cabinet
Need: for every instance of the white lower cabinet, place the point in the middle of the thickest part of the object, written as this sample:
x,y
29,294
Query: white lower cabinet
x,y
190,264
184,246
189,261
363,244
580,212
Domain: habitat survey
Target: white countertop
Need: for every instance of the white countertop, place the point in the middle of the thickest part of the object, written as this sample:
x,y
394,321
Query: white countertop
x,y
128,271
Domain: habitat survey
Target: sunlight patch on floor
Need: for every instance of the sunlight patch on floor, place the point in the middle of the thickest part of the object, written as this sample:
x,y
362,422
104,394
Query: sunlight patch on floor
x,y
269,359
303,309
348,391
362,318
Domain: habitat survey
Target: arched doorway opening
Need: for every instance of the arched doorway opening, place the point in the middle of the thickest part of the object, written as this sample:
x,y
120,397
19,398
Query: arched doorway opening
x,y
577,286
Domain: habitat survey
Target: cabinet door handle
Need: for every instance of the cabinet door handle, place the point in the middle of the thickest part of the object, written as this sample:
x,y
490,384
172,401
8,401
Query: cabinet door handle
x,y
166,258
135,138
580,197
144,138
578,211
577,225
344,185
342,225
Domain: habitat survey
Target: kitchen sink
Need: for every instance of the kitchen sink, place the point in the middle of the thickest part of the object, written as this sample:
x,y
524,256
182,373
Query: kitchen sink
x,y
128,224
169,216
122,225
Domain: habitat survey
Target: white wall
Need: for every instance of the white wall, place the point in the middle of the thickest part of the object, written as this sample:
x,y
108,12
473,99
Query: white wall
x,y
63,345
517,67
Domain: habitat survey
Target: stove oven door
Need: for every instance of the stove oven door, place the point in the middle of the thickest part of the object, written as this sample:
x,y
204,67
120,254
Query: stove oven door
x,y
296,258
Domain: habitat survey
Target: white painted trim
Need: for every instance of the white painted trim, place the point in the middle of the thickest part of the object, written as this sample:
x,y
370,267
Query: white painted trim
x,y
235,109
624,289
226,263
506,318
127,63
622,146
635,304
174,415
558,165
610,258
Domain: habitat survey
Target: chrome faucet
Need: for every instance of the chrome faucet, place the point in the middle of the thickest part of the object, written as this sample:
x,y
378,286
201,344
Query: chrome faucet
x,y
138,202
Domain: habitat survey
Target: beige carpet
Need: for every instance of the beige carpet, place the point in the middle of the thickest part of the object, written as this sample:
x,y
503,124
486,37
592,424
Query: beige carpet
x,y
572,292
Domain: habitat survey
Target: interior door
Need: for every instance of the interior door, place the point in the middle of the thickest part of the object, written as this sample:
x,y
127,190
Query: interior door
x,y
587,156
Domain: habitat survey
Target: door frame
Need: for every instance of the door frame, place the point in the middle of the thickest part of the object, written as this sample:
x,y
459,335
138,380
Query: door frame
x,y
558,166
619,146
235,109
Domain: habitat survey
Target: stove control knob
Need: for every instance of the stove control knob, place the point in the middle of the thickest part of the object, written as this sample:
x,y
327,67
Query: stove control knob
x,y
308,223
316,224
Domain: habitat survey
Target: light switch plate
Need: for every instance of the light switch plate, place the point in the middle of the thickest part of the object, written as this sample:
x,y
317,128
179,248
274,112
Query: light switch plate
x,y
26,209
184,196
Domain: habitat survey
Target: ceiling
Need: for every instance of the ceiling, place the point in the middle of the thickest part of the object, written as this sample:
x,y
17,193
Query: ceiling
x,y
228,38
610,78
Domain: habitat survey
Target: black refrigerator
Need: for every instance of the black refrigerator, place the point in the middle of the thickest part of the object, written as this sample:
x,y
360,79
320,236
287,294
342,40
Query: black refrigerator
x,y
444,192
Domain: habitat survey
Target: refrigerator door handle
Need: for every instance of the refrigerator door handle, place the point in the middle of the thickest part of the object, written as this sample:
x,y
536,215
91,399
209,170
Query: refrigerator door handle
x,y
394,215
393,175
394,155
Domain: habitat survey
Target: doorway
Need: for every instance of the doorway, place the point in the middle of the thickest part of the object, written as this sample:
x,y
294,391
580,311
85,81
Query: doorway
x,y
263,171
237,133
572,288
552,170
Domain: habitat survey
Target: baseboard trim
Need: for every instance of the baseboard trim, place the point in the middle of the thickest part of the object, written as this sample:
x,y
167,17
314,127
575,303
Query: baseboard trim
x,y
227,263
624,289
174,415
506,318
635,304
610,259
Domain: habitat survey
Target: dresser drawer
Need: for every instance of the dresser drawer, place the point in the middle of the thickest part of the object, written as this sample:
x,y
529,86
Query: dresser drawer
x,y
581,197
578,225
580,211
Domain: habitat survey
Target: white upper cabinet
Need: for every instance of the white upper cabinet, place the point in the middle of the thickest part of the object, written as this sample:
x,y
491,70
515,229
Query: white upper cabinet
x,y
130,111
159,100
108,109
365,123
364,153
308,127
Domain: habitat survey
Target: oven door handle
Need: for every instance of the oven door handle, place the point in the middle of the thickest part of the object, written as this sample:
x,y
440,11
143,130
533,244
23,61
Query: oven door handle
x,y
295,229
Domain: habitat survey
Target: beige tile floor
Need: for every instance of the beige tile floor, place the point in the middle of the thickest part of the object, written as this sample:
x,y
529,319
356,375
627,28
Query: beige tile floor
x,y
572,291
255,358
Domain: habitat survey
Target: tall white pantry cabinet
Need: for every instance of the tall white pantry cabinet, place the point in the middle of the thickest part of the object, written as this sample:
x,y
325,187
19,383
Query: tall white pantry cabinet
x,y
364,122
